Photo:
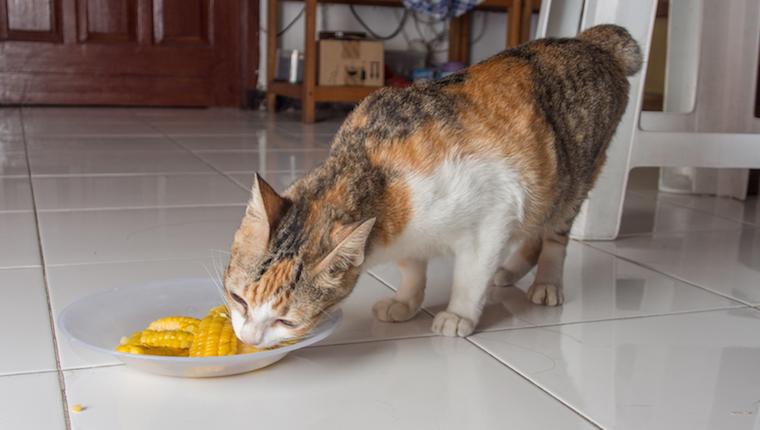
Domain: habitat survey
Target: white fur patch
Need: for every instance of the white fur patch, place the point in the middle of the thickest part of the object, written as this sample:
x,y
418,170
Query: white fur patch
x,y
465,199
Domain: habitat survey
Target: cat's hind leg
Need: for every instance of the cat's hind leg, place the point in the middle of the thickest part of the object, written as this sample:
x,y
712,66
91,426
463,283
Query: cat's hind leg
x,y
519,263
547,287
408,299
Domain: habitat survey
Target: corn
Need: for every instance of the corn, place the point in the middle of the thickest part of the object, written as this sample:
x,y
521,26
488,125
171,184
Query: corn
x,y
77,408
215,336
175,323
189,337
169,339
220,310
152,350
244,348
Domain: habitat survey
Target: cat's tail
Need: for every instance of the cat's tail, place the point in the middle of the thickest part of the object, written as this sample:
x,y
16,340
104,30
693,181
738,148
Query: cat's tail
x,y
617,41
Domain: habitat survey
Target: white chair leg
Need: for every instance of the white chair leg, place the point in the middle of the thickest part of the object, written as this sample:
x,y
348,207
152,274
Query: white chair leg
x,y
600,215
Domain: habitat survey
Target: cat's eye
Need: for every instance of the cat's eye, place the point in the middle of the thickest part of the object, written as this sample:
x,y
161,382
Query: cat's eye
x,y
239,299
286,323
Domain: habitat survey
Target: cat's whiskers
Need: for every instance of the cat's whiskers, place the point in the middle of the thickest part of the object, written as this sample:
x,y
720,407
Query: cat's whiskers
x,y
215,281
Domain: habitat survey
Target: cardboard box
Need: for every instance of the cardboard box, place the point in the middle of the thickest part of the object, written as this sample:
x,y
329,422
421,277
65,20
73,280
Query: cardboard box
x,y
351,62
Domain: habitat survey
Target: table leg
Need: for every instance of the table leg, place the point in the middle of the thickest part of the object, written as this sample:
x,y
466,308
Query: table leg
x,y
310,62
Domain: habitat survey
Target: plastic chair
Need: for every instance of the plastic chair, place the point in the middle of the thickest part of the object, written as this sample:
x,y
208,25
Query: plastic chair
x,y
716,76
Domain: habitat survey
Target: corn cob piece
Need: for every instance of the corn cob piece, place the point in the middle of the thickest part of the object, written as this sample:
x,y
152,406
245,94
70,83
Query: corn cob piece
x,y
215,336
219,310
169,339
187,324
152,350
134,339
244,348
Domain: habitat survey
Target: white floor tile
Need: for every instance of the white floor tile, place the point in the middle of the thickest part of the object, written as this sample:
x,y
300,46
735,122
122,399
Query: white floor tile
x,y
727,262
137,234
211,127
86,192
10,121
244,162
101,143
94,114
322,128
62,162
693,371
31,402
645,214
431,383
11,143
278,180
747,211
87,127
15,194
18,240
24,323
13,163
597,286
70,283
156,115
359,324
263,140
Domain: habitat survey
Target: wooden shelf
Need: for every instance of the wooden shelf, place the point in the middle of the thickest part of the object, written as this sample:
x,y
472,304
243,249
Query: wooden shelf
x,y
489,5
518,22
323,93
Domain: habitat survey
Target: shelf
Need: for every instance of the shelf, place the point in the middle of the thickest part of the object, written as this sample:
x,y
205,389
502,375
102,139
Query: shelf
x,y
493,5
323,93
518,26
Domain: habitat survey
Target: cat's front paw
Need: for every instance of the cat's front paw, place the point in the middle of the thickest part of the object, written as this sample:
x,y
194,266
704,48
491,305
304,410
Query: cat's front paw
x,y
392,310
450,324
546,294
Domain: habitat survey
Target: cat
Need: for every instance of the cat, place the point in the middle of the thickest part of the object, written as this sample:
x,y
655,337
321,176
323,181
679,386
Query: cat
x,y
490,164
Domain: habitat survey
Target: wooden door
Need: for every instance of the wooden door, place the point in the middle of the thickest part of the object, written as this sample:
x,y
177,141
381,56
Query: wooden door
x,y
122,52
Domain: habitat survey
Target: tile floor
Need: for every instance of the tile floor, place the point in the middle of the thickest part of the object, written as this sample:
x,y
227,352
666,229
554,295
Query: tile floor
x,y
661,329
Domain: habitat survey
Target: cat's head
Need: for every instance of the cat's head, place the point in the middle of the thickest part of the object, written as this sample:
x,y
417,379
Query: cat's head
x,y
286,269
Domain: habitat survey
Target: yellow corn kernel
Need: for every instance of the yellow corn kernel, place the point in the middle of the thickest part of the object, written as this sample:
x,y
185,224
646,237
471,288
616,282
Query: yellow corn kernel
x,y
219,310
215,336
244,348
169,339
77,408
188,324
152,350
134,339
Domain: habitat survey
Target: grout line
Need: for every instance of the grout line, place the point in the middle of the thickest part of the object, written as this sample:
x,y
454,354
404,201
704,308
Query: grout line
x,y
125,208
51,317
671,276
535,384
645,194
93,263
256,151
364,341
198,157
611,319
21,267
738,305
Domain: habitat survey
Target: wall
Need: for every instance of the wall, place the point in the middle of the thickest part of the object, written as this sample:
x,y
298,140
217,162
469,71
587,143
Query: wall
x,y
382,20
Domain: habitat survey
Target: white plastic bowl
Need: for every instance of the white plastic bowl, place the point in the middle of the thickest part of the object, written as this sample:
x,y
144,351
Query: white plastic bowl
x,y
100,320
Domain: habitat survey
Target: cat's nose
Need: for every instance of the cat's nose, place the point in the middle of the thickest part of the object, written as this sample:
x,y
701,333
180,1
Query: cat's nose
x,y
252,335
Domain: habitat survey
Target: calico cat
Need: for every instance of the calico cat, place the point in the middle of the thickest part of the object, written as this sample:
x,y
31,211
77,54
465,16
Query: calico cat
x,y
490,164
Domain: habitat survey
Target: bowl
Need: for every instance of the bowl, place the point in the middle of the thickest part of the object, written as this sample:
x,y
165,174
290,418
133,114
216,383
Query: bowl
x,y
98,322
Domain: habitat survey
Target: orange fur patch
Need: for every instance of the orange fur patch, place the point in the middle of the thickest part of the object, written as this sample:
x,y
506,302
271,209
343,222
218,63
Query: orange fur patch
x,y
278,274
398,212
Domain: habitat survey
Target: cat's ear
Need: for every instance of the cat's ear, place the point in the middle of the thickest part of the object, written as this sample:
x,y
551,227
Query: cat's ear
x,y
352,239
265,205
262,214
